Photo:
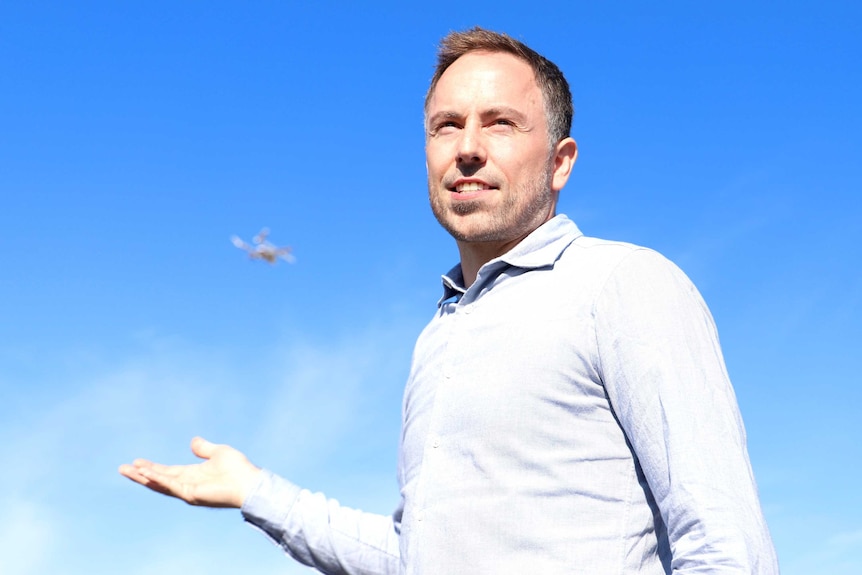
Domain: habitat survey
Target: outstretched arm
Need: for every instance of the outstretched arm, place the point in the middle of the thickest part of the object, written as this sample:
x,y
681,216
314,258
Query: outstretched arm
x,y
224,479
313,529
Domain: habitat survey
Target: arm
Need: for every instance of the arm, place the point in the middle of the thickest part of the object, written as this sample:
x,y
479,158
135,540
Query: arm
x,y
319,532
312,529
663,370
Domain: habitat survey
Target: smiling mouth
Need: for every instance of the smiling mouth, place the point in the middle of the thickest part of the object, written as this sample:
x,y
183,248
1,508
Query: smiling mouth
x,y
471,187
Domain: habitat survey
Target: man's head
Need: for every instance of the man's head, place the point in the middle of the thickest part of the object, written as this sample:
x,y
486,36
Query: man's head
x,y
557,97
495,165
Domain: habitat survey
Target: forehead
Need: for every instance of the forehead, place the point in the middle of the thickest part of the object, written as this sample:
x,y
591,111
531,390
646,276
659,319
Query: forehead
x,y
487,78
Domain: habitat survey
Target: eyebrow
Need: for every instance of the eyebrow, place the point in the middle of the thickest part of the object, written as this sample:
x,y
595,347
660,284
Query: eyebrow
x,y
445,115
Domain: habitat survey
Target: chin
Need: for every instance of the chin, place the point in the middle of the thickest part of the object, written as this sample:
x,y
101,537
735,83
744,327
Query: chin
x,y
476,233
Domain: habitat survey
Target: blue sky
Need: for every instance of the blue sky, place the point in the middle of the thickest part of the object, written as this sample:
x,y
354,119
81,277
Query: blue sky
x,y
136,138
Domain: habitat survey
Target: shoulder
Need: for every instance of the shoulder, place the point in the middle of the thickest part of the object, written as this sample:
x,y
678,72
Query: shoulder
x,y
609,259
622,275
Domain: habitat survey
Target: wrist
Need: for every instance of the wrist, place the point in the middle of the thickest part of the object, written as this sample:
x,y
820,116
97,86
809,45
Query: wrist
x,y
247,485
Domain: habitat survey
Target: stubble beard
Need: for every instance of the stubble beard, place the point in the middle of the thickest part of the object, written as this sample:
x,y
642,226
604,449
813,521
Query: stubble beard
x,y
504,222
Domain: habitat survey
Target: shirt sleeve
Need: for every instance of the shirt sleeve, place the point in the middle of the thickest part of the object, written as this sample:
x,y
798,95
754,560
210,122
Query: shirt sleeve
x,y
320,533
662,367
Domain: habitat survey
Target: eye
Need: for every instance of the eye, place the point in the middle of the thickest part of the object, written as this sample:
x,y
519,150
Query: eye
x,y
502,126
446,127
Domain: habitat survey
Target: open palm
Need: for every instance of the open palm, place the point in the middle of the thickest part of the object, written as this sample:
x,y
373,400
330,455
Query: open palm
x,y
222,480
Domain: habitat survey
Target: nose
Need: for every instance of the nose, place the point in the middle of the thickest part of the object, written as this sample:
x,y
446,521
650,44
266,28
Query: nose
x,y
471,149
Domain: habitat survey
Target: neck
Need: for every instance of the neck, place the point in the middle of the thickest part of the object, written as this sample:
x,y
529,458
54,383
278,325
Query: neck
x,y
476,254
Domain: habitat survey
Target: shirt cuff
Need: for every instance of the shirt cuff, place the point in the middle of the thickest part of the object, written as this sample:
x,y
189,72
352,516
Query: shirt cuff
x,y
269,503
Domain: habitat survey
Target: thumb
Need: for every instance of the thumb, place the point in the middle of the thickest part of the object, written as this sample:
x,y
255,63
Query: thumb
x,y
203,448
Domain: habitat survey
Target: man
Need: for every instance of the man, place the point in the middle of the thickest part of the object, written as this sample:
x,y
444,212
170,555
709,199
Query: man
x,y
568,408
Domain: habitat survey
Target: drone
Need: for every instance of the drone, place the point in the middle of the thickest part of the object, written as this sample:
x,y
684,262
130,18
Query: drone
x,y
262,249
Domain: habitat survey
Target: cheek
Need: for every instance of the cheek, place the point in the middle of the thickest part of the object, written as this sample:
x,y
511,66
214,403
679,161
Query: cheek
x,y
512,157
526,165
433,157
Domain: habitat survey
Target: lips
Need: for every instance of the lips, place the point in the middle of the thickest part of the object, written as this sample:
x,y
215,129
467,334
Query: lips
x,y
471,187
463,186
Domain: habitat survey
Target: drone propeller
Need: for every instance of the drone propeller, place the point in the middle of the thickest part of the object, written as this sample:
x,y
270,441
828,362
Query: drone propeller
x,y
286,255
261,236
239,243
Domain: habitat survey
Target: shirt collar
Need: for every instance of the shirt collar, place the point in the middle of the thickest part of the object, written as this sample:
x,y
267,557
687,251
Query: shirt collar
x,y
541,248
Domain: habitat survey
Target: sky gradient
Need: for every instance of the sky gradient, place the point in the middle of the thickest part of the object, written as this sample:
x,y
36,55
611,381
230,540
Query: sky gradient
x,y
136,138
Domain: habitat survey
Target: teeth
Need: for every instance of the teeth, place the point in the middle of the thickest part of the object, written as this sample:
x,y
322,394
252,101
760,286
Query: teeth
x,y
471,187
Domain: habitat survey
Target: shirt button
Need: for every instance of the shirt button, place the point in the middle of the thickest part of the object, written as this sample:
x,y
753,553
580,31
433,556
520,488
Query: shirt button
x,y
435,444
468,309
419,516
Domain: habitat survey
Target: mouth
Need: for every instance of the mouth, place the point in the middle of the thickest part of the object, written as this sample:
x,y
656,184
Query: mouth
x,y
470,187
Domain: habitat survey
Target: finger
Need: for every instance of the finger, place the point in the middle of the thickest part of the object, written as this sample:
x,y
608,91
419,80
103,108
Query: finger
x,y
131,472
170,470
162,483
135,474
203,448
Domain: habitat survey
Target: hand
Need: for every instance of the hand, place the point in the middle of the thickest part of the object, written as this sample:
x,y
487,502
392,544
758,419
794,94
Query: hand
x,y
223,480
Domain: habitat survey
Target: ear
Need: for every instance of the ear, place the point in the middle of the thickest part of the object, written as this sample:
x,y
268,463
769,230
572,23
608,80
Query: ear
x,y
566,152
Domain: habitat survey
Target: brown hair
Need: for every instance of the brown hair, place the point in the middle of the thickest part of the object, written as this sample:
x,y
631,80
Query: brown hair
x,y
555,90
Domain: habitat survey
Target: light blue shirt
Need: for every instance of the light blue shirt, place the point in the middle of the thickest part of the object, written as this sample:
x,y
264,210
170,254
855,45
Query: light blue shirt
x,y
569,412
